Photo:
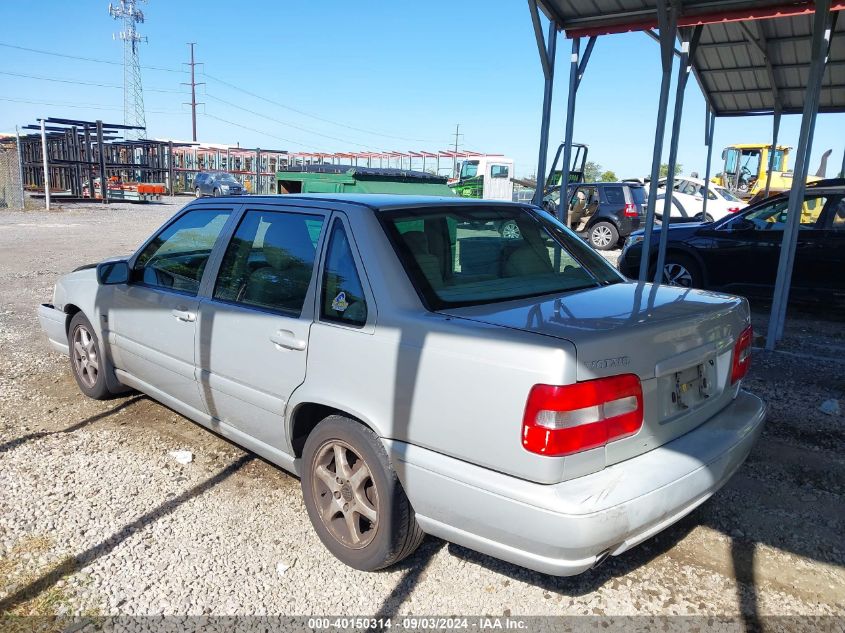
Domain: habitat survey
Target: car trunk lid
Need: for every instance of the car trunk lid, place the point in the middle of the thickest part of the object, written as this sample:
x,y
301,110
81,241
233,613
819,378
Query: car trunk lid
x,y
678,341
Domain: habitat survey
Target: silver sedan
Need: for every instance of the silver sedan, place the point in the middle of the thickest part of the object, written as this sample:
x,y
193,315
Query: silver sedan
x,y
423,374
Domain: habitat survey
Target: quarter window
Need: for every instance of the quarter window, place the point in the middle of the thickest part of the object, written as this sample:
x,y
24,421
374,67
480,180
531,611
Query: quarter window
x,y
175,259
342,299
270,260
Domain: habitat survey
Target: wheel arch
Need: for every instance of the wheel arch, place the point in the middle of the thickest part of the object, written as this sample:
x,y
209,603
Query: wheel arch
x,y
306,415
70,310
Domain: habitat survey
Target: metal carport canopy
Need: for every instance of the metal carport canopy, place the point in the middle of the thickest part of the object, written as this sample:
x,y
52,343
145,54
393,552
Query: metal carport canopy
x,y
745,63
749,58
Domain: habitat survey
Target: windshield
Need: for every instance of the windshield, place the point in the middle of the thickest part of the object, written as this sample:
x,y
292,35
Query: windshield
x,y
469,169
727,195
228,179
458,256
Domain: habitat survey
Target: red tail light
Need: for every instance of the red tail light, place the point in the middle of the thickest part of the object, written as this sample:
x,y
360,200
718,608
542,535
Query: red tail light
x,y
734,210
742,355
631,210
574,418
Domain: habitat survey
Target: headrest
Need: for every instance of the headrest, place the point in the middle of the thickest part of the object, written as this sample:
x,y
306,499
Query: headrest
x,y
417,242
287,242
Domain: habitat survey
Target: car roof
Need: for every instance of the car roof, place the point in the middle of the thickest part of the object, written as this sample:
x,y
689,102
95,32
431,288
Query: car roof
x,y
377,201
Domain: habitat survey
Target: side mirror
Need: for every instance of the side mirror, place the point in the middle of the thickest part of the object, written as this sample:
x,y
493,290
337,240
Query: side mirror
x,y
111,273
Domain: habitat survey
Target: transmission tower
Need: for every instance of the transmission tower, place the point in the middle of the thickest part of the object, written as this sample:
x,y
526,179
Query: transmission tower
x,y
133,93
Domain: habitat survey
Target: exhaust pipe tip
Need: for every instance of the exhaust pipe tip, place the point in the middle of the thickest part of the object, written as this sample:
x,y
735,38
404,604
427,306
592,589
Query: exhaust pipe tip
x,y
603,556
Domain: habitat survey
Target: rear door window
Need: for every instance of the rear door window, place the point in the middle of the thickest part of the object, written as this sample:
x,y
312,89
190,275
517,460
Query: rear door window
x,y
269,261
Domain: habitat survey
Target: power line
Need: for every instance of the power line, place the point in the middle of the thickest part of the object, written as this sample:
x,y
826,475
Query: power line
x,y
314,116
297,127
252,129
230,85
79,82
85,59
90,106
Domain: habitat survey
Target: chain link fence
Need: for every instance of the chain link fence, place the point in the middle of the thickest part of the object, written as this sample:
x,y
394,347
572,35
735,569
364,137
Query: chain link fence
x,y
11,193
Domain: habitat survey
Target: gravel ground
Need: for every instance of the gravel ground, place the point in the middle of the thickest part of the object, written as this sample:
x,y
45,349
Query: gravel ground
x,y
97,518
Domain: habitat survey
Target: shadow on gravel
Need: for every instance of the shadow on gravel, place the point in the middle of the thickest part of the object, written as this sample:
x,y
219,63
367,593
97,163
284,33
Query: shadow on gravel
x,y
18,441
595,578
414,566
73,564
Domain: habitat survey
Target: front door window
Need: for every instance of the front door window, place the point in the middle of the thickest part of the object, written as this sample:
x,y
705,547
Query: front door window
x,y
176,258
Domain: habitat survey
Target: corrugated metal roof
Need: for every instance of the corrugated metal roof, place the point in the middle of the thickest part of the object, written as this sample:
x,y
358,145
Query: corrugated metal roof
x,y
745,59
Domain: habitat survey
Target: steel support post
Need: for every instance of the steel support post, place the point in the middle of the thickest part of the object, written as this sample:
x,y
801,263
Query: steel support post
x,y
547,61
709,126
20,166
773,149
842,171
101,151
46,161
821,34
688,46
576,72
668,22
171,186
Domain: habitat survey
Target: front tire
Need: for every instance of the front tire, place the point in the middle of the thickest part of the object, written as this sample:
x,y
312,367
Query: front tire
x,y
354,498
604,236
510,230
216,192
86,358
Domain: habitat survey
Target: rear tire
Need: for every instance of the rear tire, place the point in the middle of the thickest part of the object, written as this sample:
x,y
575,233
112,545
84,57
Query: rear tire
x,y
354,498
86,358
604,236
197,193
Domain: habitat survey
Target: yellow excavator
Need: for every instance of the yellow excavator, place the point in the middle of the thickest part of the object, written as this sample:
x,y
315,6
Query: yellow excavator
x,y
746,167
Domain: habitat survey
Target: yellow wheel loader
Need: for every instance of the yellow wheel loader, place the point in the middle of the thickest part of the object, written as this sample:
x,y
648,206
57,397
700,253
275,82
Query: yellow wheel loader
x,y
746,168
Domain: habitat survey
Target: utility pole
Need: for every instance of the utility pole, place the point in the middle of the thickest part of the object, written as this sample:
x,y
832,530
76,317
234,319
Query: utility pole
x,y
193,86
455,157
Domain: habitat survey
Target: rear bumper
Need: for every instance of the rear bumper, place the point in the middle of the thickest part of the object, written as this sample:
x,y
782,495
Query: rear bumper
x,y
53,323
566,528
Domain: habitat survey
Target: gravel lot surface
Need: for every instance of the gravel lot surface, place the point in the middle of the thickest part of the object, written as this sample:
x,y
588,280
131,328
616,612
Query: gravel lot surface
x,y
97,518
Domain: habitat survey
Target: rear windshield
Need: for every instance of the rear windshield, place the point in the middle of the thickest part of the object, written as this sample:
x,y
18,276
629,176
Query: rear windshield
x,y
637,194
461,255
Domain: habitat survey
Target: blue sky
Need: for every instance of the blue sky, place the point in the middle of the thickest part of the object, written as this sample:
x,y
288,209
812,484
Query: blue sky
x,y
366,75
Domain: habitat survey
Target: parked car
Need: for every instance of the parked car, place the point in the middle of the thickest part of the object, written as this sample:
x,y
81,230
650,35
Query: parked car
x,y
421,375
217,183
740,253
604,213
688,200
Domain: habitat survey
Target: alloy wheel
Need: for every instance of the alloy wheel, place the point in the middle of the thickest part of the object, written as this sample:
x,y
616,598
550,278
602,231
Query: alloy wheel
x,y
510,231
602,236
86,362
677,275
345,494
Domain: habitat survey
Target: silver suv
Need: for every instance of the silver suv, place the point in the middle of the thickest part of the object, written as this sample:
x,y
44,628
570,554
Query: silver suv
x,y
217,183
